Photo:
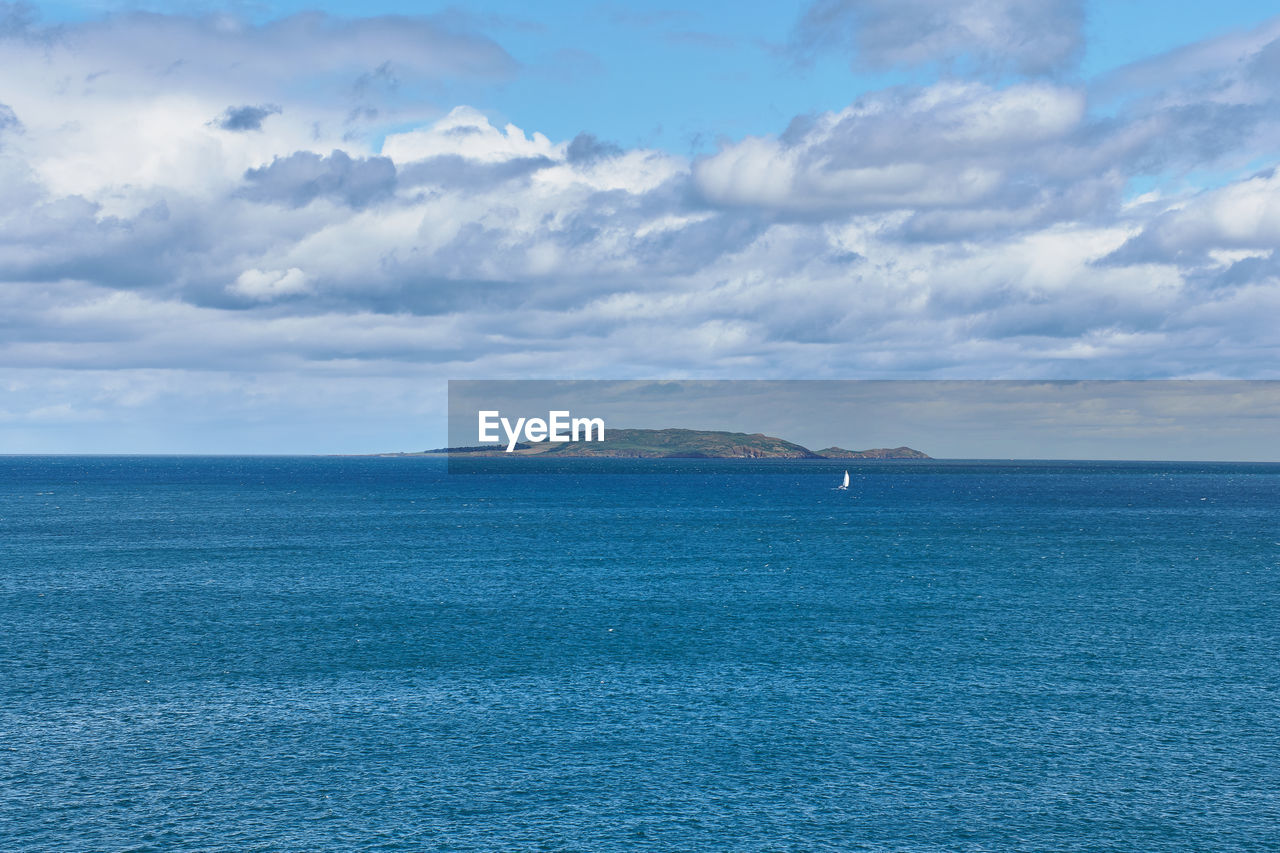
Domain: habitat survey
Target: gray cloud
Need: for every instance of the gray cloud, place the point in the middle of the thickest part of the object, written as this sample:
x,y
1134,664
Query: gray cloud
x,y
8,120
1028,36
245,117
453,171
1209,69
1265,64
585,148
302,177
17,20
127,253
145,51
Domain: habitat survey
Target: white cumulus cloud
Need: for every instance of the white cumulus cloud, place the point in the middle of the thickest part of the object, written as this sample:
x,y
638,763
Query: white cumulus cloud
x,y
267,285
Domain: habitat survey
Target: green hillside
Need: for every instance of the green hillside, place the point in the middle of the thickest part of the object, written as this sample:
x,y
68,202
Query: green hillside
x,y
682,444
678,444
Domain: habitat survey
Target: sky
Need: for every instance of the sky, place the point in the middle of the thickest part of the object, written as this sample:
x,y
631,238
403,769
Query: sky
x,y
282,227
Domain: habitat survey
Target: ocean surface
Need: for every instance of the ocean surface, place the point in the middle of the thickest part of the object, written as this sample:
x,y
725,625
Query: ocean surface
x,y
315,654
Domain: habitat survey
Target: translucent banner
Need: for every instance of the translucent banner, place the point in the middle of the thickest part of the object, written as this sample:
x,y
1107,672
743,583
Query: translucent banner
x,y
863,421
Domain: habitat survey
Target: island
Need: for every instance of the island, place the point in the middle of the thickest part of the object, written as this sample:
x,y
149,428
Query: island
x,y
874,453
674,444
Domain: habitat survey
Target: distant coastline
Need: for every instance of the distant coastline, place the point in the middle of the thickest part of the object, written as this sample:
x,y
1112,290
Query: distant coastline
x,y
674,444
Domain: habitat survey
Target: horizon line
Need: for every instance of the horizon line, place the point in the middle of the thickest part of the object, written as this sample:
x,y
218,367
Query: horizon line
x,y
401,454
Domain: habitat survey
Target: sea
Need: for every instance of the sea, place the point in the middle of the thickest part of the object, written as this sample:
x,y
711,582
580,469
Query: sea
x,y
340,654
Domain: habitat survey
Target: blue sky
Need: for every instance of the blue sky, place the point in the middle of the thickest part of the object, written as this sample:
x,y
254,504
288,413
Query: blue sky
x,y
282,227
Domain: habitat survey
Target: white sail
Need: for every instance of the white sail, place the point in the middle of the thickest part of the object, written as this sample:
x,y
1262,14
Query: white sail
x,y
845,484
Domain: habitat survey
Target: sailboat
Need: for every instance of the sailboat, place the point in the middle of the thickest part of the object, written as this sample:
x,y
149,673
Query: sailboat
x,y
845,485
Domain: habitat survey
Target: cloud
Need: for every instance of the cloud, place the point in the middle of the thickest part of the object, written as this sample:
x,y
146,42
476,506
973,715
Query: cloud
x,y
225,53
142,87
453,171
1243,216
1224,69
1027,36
268,285
958,160
8,120
246,117
586,148
951,145
303,176
466,132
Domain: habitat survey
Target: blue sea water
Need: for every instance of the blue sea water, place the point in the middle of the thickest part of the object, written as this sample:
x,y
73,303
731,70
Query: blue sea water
x,y
315,654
